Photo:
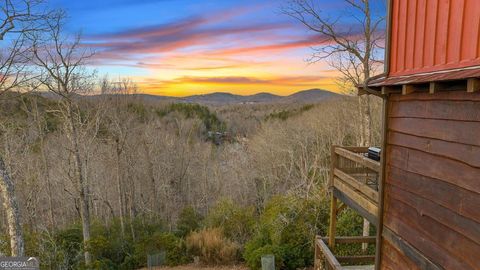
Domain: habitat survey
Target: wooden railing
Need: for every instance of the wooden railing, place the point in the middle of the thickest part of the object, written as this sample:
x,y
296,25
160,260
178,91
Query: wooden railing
x,y
326,260
354,180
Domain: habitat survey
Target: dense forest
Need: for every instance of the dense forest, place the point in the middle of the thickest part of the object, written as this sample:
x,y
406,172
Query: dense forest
x,y
157,182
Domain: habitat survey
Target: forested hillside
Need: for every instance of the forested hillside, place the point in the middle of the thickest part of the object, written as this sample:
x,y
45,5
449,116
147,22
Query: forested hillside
x,y
155,181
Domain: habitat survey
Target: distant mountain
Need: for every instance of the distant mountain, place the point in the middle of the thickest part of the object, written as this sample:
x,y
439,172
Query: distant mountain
x,y
147,97
220,98
263,97
310,96
214,98
307,96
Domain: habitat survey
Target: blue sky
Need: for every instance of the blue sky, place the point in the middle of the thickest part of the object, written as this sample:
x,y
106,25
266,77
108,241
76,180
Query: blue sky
x,y
184,47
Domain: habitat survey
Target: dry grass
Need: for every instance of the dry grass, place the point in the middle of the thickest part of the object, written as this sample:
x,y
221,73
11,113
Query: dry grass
x,y
193,267
212,247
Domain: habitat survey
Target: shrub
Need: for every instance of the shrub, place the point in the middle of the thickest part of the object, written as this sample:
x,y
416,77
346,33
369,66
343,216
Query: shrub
x,y
212,247
174,247
262,245
139,110
238,223
350,223
188,221
255,257
287,229
64,249
107,246
69,247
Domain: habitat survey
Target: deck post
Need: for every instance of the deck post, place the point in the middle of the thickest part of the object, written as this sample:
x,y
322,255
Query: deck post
x,y
333,201
381,184
366,232
333,164
318,253
333,221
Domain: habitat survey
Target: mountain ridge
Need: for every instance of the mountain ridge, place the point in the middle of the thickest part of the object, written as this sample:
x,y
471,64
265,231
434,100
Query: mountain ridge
x,y
224,98
220,98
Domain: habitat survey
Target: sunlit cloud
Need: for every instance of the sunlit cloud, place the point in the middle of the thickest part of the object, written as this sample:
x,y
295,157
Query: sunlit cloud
x,y
224,51
189,85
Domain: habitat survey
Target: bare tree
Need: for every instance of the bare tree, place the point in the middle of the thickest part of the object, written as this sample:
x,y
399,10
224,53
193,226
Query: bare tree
x,y
17,18
13,216
62,62
120,125
40,130
351,49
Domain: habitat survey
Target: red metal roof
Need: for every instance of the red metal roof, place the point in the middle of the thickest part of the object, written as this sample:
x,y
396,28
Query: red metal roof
x,y
444,75
433,35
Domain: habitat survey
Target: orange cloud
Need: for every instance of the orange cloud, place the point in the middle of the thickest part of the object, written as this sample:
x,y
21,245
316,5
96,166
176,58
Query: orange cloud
x,y
206,54
185,86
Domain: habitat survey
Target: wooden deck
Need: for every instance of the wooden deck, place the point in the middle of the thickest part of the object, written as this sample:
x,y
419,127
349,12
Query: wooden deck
x,y
354,180
353,183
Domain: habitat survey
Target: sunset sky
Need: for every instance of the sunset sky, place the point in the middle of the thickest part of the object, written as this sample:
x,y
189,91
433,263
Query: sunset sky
x,y
188,47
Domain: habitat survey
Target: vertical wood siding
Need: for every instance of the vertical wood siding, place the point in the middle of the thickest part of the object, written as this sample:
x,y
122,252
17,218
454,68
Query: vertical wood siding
x,y
432,185
432,35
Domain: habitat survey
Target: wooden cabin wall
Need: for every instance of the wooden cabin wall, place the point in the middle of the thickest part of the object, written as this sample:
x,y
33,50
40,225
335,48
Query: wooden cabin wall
x,y
432,184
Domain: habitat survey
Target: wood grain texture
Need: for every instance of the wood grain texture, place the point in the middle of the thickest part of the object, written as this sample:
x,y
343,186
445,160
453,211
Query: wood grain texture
x,y
445,169
466,229
393,259
427,236
360,199
355,206
327,254
409,251
448,95
473,85
432,186
452,131
467,154
461,201
360,159
440,109
357,185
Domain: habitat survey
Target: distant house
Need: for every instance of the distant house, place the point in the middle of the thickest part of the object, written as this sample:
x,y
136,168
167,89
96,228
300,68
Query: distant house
x,y
424,195
219,138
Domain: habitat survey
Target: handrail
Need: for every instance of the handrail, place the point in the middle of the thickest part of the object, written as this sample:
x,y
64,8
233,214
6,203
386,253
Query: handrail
x,y
328,255
356,149
353,181
352,239
360,259
362,187
332,262
357,158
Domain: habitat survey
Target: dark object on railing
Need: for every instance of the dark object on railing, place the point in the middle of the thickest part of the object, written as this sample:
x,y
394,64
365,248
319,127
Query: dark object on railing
x,y
374,153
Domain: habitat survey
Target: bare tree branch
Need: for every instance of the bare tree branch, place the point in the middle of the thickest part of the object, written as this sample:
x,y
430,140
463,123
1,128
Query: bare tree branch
x,y
360,41
61,63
